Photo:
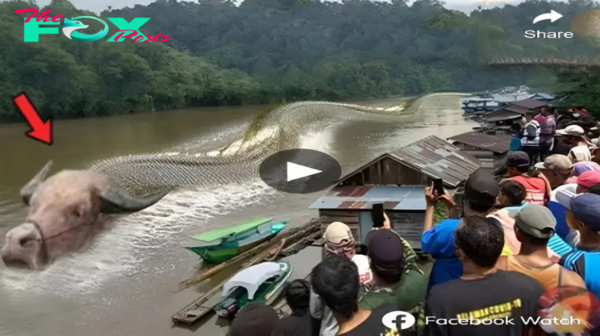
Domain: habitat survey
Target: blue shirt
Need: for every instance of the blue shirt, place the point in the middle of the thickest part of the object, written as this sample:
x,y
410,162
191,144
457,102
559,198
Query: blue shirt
x,y
515,143
587,265
439,242
559,212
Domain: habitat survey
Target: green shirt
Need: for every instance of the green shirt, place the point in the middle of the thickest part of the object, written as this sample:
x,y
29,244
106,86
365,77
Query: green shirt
x,y
406,294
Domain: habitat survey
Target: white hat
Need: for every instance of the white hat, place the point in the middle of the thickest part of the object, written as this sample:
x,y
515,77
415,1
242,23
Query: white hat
x,y
337,232
564,194
573,130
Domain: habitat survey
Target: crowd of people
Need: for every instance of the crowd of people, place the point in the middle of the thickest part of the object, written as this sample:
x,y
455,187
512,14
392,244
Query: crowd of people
x,y
522,259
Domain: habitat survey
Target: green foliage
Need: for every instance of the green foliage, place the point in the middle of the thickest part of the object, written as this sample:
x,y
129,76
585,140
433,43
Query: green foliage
x,y
581,88
272,51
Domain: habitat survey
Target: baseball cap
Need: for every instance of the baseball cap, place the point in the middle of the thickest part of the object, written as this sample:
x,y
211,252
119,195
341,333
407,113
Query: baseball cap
x,y
588,179
573,130
564,194
556,162
586,208
481,188
536,220
254,319
385,250
517,159
337,232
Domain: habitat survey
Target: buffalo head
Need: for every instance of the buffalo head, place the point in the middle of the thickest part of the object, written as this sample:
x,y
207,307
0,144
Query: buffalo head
x,y
64,213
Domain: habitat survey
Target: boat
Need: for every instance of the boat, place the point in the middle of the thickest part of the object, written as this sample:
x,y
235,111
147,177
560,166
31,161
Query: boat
x,y
259,283
479,103
221,245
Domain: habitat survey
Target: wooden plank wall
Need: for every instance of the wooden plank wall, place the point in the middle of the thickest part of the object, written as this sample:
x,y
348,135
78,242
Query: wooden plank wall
x,y
348,217
390,172
408,224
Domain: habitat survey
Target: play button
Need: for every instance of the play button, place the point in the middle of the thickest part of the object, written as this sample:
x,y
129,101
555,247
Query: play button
x,y
300,171
296,171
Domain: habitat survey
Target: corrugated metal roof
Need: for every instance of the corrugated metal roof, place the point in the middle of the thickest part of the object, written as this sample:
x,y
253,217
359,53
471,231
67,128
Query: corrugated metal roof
x,y
529,103
502,114
499,143
363,197
516,109
438,158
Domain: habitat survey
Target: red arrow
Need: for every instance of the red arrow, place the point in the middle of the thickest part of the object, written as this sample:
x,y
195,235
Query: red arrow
x,y
40,130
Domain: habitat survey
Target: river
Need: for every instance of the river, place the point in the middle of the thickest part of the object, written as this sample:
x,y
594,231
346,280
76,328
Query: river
x,y
124,284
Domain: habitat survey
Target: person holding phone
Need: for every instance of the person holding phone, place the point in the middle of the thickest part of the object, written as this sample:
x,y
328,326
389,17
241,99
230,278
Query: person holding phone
x,y
481,191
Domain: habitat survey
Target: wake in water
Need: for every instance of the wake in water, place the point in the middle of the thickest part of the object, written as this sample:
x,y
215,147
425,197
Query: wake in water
x,y
209,183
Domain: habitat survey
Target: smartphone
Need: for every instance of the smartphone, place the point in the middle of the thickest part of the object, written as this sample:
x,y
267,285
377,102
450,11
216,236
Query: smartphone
x,y
377,215
438,186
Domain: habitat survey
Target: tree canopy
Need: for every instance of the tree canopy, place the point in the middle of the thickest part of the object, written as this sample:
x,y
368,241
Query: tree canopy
x,y
264,51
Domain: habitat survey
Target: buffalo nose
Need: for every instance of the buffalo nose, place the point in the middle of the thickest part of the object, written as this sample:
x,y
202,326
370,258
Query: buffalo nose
x,y
11,261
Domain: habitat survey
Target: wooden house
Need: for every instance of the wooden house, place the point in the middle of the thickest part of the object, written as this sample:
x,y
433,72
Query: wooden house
x,y
502,119
397,180
490,149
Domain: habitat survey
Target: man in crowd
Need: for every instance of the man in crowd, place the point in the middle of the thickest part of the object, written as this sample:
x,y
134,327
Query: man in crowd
x,y
534,226
394,284
556,169
582,118
338,241
583,215
335,280
582,167
587,180
538,190
595,150
254,319
515,141
559,146
512,196
299,323
482,292
547,131
530,142
481,191
574,136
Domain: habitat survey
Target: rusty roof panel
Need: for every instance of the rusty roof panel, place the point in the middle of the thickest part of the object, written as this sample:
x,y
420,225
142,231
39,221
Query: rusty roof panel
x,y
393,198
499,144
438,158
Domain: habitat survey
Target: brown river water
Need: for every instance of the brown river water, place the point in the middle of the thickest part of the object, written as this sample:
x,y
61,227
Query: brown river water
x,y
125,283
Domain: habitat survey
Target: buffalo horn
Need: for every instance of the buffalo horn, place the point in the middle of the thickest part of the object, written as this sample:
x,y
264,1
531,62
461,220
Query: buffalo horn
x,y
29,189
118,201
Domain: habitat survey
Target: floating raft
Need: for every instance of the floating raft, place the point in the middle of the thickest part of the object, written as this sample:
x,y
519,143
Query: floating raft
x,y
285,244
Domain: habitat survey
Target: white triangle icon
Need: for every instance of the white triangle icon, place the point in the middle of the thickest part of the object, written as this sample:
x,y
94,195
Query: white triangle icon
x,y
296,171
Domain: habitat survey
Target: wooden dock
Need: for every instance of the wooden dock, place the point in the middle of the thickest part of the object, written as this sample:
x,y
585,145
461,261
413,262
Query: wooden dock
x,y
288,246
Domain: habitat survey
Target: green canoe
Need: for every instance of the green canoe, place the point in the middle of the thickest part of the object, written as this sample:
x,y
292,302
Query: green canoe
x,y
224,244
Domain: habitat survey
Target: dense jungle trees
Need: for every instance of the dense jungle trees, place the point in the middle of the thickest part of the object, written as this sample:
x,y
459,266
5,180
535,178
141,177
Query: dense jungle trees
x,y
279,50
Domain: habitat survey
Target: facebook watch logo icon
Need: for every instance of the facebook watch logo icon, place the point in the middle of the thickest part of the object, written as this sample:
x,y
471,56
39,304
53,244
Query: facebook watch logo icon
x,y
398,320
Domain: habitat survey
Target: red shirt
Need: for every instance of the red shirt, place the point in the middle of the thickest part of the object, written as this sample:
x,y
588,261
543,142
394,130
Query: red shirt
x,y
535,186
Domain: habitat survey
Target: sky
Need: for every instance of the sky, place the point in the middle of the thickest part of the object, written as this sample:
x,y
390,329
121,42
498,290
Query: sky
x,y
100,5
